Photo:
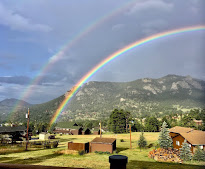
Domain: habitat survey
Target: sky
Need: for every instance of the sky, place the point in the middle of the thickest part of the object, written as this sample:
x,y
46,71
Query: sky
x,y
33,32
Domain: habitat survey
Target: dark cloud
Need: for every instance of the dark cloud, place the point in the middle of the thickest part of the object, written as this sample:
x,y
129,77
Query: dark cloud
x,y
182,54
22,80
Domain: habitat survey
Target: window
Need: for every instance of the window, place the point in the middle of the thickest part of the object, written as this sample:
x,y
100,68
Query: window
x,y
201,147
190,145
177,143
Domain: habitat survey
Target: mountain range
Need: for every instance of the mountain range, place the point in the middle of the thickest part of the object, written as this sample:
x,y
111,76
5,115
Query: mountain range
x,y
7,106
142,97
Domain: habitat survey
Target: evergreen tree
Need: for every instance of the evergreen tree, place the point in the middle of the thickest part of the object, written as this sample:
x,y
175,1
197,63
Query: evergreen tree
x,y
136,126
151,124
199,155
166,120
117,121
164,140
142,141
185,152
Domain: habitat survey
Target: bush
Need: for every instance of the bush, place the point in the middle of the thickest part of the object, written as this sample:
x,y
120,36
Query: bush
x,y
81,152
102,152
55,144
150,145
121,140
47,145
199,155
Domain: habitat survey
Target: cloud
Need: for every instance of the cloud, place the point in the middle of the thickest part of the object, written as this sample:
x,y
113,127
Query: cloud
x,y
21,80
18,22
153,26
150,4
117,27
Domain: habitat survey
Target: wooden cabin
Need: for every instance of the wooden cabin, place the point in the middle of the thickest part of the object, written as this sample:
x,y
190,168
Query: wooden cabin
x,y
193,137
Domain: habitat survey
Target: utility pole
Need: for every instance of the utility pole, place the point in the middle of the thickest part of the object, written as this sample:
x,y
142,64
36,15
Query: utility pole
x,y
27,130
126,125
130,137
100,130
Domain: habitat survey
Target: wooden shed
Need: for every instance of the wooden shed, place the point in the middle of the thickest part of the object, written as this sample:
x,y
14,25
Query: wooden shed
x,y
103,144
78,146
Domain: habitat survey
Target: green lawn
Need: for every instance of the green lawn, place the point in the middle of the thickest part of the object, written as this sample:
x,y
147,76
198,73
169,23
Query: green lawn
x,y
136,158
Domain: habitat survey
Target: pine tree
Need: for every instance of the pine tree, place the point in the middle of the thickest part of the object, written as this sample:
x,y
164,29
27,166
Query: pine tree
x,y
142,141
117,121
164,140
185,152
199,155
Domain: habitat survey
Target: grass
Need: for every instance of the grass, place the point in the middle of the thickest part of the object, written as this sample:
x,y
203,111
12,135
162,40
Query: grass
x,y
52,157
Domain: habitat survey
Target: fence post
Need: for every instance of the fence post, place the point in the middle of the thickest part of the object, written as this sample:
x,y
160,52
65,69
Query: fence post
x,y
118,161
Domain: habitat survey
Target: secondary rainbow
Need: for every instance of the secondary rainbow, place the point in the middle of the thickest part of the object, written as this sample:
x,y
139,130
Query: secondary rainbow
x,y
68,45
115,55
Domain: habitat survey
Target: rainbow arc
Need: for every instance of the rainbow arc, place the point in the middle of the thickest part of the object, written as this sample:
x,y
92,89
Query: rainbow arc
x,y
116,55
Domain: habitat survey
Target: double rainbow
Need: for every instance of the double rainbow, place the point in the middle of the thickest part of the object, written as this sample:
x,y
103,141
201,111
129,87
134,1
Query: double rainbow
x,y
115,55
68,45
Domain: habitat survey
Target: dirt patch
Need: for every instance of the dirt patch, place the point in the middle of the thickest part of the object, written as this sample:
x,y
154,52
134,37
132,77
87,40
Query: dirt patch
x,y
72,152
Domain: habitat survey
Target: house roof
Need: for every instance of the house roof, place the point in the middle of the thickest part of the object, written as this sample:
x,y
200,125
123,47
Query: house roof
x,y
103,140
195,137
12,129
198,121
68,125
178,129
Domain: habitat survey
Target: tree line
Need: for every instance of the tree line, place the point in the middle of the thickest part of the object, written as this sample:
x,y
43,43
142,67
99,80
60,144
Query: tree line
x,y
120,119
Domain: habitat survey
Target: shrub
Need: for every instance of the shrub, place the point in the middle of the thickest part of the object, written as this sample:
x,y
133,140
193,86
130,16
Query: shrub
x,y
142,141
102,152
81,152
185,152
150,145
199,155
121,140
55,144
47,145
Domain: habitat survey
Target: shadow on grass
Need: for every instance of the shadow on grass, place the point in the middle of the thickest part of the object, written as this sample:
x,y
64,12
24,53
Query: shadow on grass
x,y
25,151
2,159
121,149
33,160
160,165
66,140
10,151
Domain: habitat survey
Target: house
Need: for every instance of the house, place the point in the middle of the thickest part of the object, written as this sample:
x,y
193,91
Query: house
x,y
73,130
13,133
193,137
198,122
86,131
59,130
96,132
44,136
103,144
76,130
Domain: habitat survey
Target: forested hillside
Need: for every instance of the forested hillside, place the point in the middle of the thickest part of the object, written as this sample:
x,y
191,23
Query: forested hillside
x,y
141,97
39,112
95,100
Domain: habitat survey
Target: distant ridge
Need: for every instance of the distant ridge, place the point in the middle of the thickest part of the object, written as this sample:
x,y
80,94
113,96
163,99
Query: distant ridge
x,y
142,97
7,105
